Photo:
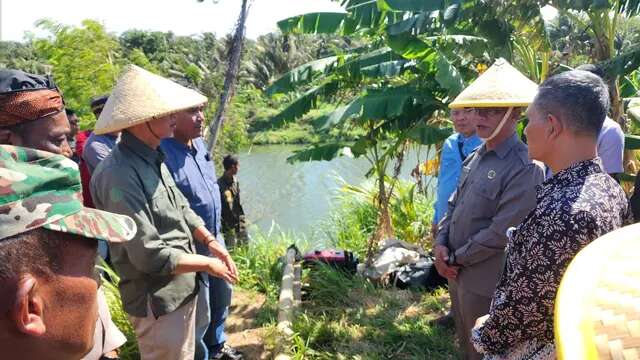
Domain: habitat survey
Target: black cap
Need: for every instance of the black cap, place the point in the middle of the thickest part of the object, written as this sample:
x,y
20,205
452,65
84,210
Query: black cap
x,y
98,102
15,80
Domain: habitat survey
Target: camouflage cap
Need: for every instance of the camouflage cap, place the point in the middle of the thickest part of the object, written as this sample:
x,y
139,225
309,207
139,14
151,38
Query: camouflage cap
x,y
41,189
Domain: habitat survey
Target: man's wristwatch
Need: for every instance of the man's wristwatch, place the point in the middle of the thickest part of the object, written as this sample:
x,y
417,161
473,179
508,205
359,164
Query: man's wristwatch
x,y
451,261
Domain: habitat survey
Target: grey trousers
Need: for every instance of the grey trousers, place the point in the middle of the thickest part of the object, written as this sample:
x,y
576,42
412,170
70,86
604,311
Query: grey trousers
x,y
466,307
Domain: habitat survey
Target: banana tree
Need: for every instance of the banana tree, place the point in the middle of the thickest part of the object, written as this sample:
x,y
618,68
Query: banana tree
x,y
601,20
414,62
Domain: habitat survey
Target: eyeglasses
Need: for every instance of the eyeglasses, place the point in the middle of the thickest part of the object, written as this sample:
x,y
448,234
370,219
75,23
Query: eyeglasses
x,y
484,112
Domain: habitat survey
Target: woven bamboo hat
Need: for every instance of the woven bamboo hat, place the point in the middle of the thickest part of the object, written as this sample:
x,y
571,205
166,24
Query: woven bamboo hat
x,y
597,310
501,85
140,96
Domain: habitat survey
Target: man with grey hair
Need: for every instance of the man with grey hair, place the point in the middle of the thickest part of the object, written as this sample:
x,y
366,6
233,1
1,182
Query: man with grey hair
x,y
578,204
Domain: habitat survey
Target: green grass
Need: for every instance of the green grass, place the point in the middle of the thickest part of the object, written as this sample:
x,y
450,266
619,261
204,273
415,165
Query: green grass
x,y
344,317
349,318
293,133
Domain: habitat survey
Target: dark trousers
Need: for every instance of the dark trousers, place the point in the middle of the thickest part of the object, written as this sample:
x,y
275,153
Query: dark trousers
x,y
466,307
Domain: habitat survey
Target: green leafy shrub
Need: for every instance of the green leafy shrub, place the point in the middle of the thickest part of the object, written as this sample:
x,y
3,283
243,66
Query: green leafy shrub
x,y
354,217
129,351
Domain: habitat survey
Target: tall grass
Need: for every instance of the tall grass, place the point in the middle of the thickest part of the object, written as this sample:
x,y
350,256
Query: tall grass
x,y
349,318
260,261
345,317
353,218
129,351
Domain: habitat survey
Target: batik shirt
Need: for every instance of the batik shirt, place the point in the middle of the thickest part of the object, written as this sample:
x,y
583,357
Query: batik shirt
x,y
574,207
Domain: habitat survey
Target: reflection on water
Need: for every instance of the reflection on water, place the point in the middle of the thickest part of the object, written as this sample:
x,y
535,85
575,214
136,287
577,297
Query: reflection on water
x,y
297,196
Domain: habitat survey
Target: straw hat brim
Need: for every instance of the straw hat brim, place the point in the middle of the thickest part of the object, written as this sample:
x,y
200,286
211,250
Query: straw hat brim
x,y
140,96
501,85
489,104
598,302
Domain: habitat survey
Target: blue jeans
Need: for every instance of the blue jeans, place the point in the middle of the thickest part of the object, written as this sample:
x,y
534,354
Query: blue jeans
x,y
214,298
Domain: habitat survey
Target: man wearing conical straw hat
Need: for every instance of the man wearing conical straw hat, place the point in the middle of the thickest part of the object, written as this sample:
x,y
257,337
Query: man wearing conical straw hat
x,y
158,267
496,190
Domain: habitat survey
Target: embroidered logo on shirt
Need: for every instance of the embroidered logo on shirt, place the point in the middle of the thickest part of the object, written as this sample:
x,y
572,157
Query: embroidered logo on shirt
x,y
491,174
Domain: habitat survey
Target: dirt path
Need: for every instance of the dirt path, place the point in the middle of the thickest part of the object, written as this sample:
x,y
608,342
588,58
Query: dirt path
x,y
242,332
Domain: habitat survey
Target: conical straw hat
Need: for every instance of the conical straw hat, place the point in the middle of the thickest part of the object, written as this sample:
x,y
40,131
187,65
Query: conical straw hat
x,y
140,96
501,85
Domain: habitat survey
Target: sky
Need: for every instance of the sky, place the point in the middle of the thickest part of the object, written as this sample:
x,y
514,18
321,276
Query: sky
x,y
183,17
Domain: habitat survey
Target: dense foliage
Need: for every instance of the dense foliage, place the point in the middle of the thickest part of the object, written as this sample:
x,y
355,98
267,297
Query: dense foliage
x,y
85,61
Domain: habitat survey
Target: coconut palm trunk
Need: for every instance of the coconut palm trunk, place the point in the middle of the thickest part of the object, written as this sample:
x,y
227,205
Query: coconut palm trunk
x,y
230,79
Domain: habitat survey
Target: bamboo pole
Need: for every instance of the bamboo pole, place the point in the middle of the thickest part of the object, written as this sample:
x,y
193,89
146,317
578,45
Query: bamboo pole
x,y
289,300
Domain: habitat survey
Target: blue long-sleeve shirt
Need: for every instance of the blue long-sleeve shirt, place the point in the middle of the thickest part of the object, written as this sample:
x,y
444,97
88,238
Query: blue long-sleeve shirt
x,y
450,166
194,173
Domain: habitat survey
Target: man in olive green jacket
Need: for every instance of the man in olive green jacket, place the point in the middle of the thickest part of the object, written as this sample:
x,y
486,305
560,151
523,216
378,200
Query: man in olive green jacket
x,y
158,266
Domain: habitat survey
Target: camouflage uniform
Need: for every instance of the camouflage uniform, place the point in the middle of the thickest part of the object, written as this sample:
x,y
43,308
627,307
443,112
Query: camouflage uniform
x,y
41,189
234,225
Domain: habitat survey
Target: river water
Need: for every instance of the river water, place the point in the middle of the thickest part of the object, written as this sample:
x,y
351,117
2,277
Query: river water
x,y
295,198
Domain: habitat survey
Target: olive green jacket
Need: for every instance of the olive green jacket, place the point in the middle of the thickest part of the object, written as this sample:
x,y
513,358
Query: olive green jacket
x,y
134,181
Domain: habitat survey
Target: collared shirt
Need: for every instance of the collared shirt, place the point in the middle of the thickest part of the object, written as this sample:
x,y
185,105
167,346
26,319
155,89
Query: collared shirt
x,y
194,172
455,149
611,146
97,148
574,207
134,181
496,190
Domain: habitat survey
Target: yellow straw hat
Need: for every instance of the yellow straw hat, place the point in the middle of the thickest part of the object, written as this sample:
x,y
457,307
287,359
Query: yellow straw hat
x,y
140,96
501,85
597,310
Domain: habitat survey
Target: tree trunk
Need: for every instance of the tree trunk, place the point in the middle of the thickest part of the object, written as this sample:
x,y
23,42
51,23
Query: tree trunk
x,y
384,229
233,67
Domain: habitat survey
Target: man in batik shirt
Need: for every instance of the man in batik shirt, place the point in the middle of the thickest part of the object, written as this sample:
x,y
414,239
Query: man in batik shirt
x,y
574,207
